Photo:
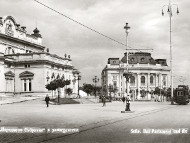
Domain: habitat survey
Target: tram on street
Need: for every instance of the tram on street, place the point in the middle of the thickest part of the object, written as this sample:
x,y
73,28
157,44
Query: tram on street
x,y
181,95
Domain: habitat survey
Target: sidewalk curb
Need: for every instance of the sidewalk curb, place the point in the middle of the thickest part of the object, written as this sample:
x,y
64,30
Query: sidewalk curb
x,y
19,101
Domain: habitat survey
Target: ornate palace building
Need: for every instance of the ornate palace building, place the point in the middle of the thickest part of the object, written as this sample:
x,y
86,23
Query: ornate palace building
x,y
147,74
26,66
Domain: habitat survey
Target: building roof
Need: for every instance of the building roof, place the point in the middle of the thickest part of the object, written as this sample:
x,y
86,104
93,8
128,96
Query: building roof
x,y
143,58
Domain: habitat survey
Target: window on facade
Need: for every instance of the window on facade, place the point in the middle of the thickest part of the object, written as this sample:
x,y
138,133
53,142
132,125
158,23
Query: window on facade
x,y
151,80
9,50
26,66
9,65
13,51
24,84
142,59
132,80
132,59
27,85
142,80
164,81
9,85
30,85
121,83
115,84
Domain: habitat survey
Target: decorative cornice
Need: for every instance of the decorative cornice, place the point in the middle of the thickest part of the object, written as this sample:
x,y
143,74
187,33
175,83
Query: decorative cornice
x,y
9,74
21,41
26,74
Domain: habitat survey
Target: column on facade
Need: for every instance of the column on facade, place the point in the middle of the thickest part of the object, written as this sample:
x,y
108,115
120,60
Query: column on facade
x,y
22,84
138,84
155,80
123,84
160,80
12,85
119,83
148,85
167,85
148,81
27,85
62,92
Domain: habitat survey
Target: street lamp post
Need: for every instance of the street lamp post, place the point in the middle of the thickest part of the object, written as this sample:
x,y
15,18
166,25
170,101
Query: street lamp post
x,y
169,10
95,80
79,78
127,74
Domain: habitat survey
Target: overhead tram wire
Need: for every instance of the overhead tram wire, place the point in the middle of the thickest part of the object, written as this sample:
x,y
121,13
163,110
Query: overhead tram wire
x,y
79,23
83,24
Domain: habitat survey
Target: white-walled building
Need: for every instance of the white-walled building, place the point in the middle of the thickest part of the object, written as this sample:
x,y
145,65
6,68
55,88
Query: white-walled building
x,y
147,74
25,67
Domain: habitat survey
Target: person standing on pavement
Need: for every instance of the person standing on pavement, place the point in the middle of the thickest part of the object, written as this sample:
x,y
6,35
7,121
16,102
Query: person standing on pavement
x,y
128,99
47,99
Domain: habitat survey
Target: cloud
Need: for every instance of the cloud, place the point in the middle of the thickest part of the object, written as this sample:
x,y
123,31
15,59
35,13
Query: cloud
x,y
90,51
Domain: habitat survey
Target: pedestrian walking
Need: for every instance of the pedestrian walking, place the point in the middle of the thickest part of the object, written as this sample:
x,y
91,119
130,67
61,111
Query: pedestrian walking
x,y
123,99
128,99
47,99
104,100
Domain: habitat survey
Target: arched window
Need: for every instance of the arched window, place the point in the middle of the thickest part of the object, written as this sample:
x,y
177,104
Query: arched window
x,y
132,80
53,76
9,50
142,80
142,59
151,80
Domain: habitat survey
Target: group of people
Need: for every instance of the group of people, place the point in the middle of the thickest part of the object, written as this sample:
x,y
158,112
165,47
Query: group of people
x,y
127,99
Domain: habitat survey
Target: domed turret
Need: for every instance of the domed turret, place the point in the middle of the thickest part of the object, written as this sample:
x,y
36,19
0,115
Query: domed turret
x,y
36,33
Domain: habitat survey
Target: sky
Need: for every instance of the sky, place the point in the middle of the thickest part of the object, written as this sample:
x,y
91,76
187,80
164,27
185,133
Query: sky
x,y
90,51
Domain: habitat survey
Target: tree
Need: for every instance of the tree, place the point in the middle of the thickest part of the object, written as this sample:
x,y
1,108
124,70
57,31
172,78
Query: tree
x,y
69,91
96,89
88,88
67,82
56,84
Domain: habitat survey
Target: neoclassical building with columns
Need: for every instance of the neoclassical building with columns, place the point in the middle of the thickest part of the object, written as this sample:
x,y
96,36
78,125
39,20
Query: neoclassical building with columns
x,y
147,74
26,66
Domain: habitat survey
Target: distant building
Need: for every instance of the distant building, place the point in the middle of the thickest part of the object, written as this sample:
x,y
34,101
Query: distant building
x,y
147,74
26,66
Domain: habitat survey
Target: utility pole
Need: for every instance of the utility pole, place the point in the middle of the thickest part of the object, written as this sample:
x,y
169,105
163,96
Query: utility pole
x,y
127,74
169,11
